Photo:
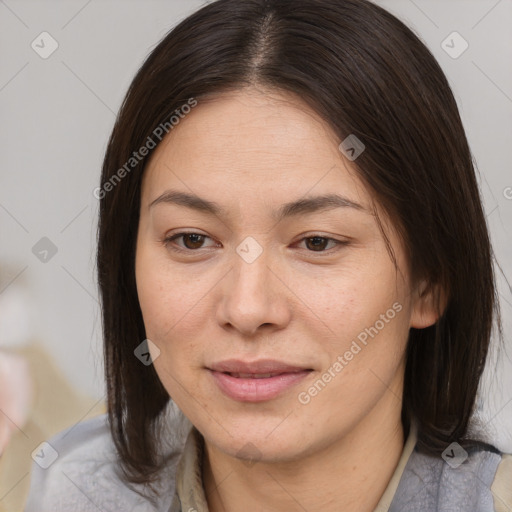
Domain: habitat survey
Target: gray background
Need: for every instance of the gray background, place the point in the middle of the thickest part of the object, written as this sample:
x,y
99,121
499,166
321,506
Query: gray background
x,y
57,114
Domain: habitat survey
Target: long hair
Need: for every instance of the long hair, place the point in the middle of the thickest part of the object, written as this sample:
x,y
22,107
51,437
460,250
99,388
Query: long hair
x,y
365,73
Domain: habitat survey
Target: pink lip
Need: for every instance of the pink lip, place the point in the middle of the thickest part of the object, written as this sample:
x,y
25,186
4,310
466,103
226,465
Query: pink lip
x,y
253,389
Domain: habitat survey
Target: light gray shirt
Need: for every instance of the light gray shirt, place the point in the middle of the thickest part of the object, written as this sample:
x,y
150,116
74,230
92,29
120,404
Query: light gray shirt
x,y
85,476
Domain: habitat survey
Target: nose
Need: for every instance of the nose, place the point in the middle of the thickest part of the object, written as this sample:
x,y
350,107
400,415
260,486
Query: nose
x,y
254,296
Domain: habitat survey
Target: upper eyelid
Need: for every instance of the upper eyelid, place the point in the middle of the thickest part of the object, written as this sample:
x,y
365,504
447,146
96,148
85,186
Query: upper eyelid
x,y
314,235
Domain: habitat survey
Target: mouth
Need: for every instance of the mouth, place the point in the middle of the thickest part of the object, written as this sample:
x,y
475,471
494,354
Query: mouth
x,y
256,381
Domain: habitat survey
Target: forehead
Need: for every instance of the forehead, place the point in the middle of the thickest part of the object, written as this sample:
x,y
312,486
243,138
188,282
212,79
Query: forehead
x,y
252,142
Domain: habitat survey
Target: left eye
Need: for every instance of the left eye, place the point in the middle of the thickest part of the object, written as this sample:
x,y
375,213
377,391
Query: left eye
x,y
319,243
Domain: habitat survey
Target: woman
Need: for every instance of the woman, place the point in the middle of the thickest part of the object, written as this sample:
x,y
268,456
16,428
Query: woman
x,y
288,218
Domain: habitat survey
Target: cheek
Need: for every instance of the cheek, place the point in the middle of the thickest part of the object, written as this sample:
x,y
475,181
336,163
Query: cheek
x,y
352,298
364,355
168,299
370,323
170,322
174,310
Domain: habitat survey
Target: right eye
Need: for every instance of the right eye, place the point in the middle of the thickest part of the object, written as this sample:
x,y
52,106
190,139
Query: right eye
x,y
191,241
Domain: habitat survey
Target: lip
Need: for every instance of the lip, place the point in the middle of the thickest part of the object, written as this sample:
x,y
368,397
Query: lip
x,y
254,389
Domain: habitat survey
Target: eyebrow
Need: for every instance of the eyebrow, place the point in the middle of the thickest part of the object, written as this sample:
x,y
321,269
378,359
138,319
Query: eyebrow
x,y
294,208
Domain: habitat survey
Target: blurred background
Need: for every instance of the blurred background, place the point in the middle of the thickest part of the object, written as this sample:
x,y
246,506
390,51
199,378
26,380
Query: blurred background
x,y
65,67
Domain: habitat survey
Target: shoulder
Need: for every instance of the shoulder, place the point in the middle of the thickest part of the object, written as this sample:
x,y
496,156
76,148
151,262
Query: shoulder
x,y
78,469
477,478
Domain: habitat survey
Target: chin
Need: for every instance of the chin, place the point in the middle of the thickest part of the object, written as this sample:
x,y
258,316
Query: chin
x,y
269,440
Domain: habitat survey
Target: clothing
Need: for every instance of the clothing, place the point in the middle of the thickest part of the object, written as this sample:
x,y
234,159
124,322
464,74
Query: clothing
x,y
84,477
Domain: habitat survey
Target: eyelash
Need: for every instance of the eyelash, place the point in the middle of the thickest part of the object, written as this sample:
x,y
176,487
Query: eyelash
x,y
168,243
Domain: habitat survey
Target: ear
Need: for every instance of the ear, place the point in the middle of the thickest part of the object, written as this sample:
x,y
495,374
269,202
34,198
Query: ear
x,y
426,298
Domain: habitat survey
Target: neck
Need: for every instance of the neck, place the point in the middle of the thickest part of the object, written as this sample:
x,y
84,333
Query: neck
x,y
353,471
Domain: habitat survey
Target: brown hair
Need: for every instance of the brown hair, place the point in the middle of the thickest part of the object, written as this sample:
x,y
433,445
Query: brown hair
x,y
367,74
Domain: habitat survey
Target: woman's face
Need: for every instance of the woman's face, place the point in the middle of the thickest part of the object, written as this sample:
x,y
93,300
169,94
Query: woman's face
x,y
306,291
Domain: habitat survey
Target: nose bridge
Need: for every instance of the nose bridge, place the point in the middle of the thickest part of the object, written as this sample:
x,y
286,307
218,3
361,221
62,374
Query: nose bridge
x,y
251,295
252,274
252,262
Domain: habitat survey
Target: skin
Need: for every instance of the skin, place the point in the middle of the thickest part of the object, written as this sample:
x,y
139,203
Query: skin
x,y
251,152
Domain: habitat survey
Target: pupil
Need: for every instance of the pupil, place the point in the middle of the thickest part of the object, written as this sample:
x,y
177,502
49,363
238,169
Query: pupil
x,y
194,241
319,239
